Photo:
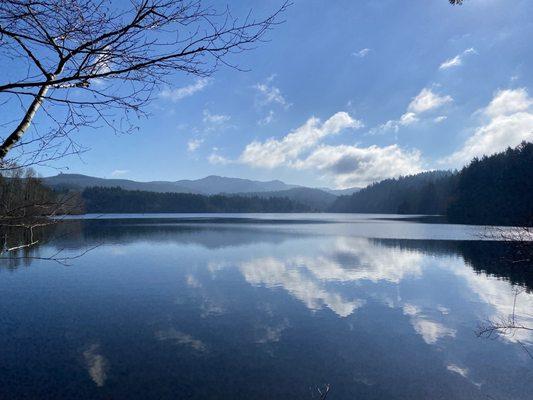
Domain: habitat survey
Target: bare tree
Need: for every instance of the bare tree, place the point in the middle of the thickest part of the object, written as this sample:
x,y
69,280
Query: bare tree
x,y
505,326
92,63
27,208
88,63
82,61
519,255
520,240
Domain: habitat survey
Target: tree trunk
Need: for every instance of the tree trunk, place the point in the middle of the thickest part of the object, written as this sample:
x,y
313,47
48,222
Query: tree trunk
x,y
15,136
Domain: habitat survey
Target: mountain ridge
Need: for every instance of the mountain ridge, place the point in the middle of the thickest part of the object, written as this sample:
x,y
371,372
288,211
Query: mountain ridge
x,y
317,198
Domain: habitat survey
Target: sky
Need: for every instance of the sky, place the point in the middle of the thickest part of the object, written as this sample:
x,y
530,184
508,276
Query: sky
x,y
344,93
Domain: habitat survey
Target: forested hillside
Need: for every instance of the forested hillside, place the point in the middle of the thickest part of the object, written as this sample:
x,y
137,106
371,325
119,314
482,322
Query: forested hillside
x,y
492,190
425,193
116,200
315,199
496,189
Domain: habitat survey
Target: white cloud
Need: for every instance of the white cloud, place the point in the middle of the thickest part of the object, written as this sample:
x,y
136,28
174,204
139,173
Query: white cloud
x,y
119,172
193,144
430,331
217,159
362,53
374,263
347,165
457,60
440,118
423,102
215,119
186,91
426,100
458,370
358,166
270,94
504,300
273,272
97,365
508,122
308,277
285,151
180,338
408,118
452,62
507,102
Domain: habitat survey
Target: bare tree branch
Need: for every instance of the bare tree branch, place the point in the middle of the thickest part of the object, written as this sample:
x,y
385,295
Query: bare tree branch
x,y
88,59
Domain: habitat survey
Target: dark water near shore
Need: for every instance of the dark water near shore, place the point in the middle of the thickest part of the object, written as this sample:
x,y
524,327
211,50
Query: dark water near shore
x,y
263,307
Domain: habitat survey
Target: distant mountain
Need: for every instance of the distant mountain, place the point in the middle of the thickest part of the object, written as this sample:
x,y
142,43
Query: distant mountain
x,y
209,185
218,184
318,199
80,182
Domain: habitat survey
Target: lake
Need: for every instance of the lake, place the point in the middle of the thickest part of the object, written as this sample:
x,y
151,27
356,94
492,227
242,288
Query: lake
x,y
263,307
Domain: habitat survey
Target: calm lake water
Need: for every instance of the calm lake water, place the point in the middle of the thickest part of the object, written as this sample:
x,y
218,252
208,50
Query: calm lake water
x,y
263,307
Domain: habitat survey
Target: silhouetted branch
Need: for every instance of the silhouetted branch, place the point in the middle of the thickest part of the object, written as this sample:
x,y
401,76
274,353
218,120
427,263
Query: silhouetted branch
x,y
88,60
504,326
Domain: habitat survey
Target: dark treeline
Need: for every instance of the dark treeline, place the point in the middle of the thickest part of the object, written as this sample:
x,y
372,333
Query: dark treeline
x,y
22,195
492,190
496,189
117,200
503,259
25,204
425,193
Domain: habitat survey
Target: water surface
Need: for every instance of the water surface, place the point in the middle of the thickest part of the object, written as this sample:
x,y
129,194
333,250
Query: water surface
x,y
263,307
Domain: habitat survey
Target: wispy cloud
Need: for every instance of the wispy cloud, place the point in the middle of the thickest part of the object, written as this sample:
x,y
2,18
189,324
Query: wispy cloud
x,y
216,159
193,144
267,119
185,91
96,364
180,338
507,121
119,172
362,53
458,370
269,94
214,119
457,60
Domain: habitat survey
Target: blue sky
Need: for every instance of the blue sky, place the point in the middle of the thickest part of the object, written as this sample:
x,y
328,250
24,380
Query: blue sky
x,y
344,93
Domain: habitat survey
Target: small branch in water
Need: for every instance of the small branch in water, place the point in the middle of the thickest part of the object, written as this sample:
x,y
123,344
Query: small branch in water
x,y
54,257
509,326
323,393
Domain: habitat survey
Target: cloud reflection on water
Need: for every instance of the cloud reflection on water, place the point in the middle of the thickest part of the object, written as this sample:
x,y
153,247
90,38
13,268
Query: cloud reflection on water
x,y
317,274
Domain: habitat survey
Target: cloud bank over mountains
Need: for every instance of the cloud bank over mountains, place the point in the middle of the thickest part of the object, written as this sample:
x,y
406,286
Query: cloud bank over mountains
x,y
347,165
506,121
